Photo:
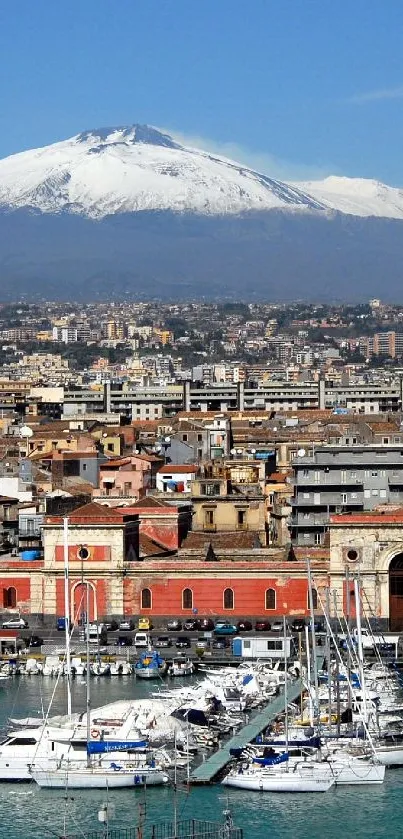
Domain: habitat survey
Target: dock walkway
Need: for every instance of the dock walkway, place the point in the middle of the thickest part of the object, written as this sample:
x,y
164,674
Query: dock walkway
x,y
207,771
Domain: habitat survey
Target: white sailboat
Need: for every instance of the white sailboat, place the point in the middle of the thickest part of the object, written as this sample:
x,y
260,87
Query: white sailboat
x,y
99,771
276,773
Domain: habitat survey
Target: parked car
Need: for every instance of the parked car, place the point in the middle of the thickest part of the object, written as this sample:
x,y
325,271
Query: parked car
x,y
33,641
191,625
318,625
202,644
163,641
174,625
144,623
111,626
225,628
15,623
141,639
298,625
278,625
124,641
220,643
263,626
244,626
206,624
126,626
182,641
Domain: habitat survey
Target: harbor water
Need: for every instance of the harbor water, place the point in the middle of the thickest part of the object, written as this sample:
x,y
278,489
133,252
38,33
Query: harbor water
x,y
28,812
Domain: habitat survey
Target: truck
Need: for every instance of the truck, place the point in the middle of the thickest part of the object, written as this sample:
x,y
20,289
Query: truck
x,y
386,642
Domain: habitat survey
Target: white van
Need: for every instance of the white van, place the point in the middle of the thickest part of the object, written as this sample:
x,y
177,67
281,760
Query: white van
x,y
141,639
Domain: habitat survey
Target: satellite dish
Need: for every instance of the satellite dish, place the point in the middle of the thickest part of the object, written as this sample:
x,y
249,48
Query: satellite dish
x,y
301,452
26,431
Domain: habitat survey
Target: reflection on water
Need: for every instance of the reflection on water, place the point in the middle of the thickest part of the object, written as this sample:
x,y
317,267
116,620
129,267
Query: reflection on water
x,y
27,812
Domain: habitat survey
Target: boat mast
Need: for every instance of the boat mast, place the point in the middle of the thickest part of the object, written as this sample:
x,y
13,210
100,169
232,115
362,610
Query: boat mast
x,y
360,650
285,684
88,679
67,609
314,656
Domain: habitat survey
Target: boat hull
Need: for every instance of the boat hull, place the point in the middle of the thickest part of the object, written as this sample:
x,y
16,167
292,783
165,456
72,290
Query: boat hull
x,y
285,782
149,672
392,756
96,779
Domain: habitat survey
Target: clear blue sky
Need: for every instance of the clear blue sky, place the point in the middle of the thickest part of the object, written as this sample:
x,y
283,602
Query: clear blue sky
x,y
303,86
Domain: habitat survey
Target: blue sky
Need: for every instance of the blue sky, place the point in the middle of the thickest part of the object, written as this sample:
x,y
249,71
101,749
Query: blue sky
x,y
300,88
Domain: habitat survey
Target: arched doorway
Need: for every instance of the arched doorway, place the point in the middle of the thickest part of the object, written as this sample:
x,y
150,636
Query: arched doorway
x,y
396,593
79,603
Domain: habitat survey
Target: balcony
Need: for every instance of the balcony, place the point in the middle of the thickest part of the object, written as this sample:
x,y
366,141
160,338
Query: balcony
x,y
209,527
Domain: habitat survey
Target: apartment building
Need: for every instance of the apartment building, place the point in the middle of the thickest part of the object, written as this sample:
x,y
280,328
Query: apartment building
x,y
342,479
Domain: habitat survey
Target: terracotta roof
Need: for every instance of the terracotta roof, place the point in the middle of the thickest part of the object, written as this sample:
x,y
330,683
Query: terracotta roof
x,y
93,513
149,547
232,539
383,427
178,469
149,501
116,462
278,477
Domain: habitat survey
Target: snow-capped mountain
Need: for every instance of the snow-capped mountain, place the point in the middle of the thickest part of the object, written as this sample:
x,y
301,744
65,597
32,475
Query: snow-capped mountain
x,y
356,196
138,168
130,211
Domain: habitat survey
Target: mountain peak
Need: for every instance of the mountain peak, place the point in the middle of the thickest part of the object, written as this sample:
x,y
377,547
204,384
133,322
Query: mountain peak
x,y
130,134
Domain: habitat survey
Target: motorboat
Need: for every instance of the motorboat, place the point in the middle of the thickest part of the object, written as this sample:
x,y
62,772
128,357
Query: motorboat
x,y
120,667
150,665
181,666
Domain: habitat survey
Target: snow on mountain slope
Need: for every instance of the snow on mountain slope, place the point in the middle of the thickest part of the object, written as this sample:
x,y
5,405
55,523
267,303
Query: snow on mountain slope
x,y
117,170
356,196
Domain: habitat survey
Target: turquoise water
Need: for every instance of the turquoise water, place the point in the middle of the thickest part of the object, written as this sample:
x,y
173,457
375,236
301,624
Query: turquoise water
x,y
26,812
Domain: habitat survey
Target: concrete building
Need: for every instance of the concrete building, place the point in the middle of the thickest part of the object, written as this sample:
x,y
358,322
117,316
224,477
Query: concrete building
x,y
342,479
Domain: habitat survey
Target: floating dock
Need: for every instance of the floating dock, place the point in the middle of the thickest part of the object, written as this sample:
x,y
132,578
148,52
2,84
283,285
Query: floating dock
x,y
210,768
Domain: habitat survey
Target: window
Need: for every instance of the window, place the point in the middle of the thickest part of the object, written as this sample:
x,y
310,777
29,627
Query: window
x,y
110,447
184,438
343,476
374,474
385,440
305,495
314,599
228,598
127,487
241,519
200,438
208,519
212,489
318,538
84,467
353,474
83,552
187,598
9,598
270,598
146,598
305,473
383,493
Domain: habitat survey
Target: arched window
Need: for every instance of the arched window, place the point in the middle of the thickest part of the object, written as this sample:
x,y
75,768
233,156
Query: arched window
x,y
9,598
228,598
270,599
314,599
187,598
145,598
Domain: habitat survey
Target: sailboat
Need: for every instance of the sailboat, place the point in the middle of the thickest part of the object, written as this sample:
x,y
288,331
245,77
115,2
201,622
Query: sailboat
x,y
275,772
99,771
